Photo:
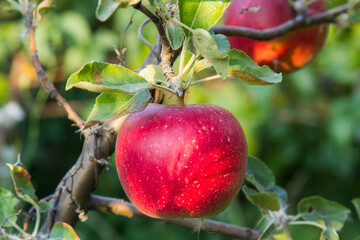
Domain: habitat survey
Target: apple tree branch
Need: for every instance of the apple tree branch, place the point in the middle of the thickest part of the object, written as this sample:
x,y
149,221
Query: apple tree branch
x,y
168,55
73,192
47,85
299,21
127,209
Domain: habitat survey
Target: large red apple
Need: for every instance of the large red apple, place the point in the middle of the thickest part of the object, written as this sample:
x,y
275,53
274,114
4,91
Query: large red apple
x,y
283,54
179,162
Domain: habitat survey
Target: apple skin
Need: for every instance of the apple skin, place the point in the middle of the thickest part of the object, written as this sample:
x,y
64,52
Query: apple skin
x,y
283,54
181,162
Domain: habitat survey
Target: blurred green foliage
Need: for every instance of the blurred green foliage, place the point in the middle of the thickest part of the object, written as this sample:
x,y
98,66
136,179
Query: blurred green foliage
x,y
307,129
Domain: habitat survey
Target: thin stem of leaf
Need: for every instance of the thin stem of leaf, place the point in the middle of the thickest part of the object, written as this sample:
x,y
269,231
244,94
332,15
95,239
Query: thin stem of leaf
x,y
287,232
181,65
142,38
20,230
296,217
260,220
215,77
189,79
17,227
182,25
160,12
189,71
308,223
167,84
37,221
189,64
164,88
13,237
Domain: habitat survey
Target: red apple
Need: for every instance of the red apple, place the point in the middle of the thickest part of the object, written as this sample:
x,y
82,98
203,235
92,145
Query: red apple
x,y
179,162
283,54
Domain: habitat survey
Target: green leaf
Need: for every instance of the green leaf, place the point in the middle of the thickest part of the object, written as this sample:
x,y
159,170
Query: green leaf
x,y
353,6
241,67
259,175
105,77
23,186
153,73
207,46
201,65
175,35
110,106
268,196
106,8
264,200
63,230
45,10
203,69
281,236
318,209
221,41
268,232
45,206
8,203
282,195
356,203
14,6
329,234
244,68
201,13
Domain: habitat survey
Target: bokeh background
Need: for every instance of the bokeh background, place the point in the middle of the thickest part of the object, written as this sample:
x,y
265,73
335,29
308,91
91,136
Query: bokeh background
x,y
306,129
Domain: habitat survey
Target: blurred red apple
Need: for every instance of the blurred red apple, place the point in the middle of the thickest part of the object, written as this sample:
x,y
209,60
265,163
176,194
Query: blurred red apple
x,y
179,162
283,54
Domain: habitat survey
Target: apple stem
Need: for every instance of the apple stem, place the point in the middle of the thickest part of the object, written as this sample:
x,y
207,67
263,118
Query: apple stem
x,y
181,100
199,227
